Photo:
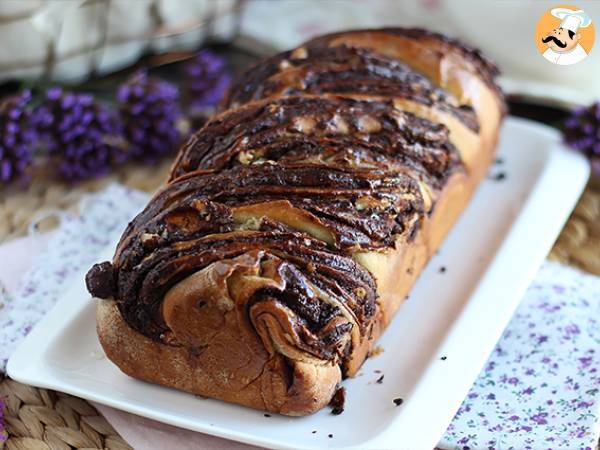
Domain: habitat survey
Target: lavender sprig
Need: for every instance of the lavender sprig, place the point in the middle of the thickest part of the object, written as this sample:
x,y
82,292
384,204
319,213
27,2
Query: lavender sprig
x,y
150,113
81,136
582,132
3,432
16,137
208,79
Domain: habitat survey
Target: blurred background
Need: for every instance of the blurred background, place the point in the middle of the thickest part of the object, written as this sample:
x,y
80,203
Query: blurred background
x,y
71,40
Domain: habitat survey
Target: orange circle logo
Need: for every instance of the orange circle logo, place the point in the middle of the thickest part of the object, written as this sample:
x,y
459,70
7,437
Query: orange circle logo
x,y
565,35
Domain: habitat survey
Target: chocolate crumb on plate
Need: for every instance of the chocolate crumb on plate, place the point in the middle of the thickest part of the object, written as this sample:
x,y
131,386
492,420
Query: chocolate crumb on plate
x,y
380,379
442,269
267,415
398,401
330,435
498,177
337,401
314,431
499,161
443,358
377,371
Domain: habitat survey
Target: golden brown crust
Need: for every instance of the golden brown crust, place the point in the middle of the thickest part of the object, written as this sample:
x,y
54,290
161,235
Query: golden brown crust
x,y
234,368
313,385
294,226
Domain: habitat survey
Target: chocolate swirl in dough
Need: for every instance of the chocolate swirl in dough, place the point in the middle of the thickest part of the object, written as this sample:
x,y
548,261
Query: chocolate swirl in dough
x,y
351,71
262,263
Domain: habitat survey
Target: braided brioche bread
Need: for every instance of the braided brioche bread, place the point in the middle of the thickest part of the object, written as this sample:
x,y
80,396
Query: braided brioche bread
x,y
296,220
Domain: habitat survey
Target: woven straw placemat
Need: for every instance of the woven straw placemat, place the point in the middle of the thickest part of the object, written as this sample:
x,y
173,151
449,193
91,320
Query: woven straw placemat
x,y
47,420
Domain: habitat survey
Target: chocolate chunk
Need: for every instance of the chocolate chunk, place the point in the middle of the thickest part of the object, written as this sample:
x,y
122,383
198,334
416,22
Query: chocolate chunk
x,y
100,280
443,358
398,401
500,176
380,379
442,269
337,401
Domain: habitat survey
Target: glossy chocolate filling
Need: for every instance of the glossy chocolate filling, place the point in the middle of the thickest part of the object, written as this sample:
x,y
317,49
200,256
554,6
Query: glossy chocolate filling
x,y
365,200
144,278
346,71
485,68
336,132
321,168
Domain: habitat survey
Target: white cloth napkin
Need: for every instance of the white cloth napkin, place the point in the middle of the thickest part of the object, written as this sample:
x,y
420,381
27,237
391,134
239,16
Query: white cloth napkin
x,y
76,244
539,389
540,386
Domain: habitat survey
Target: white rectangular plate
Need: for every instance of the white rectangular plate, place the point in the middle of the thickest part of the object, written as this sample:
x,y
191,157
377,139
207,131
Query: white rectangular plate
x,y
490,257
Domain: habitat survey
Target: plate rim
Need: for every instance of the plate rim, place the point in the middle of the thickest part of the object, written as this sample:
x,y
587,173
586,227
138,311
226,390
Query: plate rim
x,y
24,369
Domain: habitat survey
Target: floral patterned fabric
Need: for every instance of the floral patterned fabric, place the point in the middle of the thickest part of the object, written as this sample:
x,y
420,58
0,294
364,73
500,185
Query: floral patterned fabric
x,y
76,246
539,389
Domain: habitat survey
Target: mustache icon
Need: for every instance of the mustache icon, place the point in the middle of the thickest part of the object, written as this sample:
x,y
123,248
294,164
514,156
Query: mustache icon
x,y
558,42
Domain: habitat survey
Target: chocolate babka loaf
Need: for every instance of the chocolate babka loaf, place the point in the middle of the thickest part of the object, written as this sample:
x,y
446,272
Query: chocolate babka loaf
x,y
296,220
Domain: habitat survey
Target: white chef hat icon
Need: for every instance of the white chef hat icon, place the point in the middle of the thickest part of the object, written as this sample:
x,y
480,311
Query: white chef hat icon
x,y
571,20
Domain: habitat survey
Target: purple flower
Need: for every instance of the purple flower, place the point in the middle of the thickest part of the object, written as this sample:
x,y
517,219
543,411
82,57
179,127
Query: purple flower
x,y
16,137
150,113
540,418
3,432
548,307
584,404
585,361
582,132
572,329
558,289
208,80
82,136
